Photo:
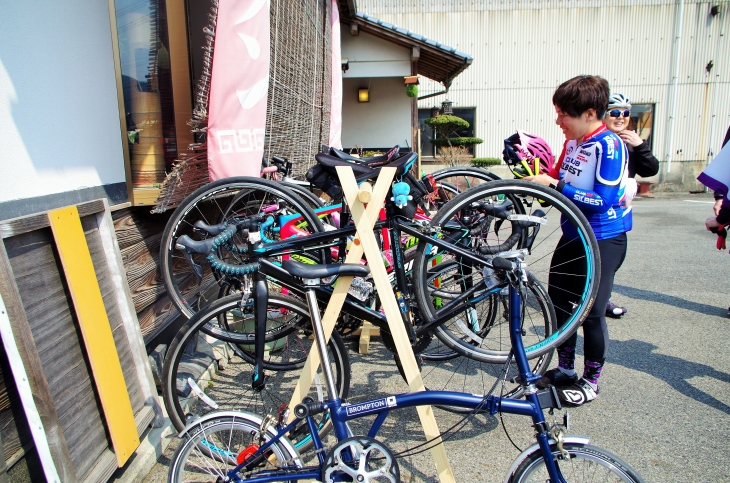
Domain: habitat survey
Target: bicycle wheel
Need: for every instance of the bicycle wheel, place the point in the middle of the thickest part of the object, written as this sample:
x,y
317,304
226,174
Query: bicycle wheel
x,y
192,286
202,373
478,220
210,451
586,463
451,182
463,374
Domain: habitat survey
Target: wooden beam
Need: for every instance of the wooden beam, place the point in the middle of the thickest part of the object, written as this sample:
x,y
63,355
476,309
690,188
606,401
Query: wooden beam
x,y
34,371
93,321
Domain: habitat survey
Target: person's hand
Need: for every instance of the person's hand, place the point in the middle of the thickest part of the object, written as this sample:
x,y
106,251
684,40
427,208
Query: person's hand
x,y
542,179
630,138
716,208
711,223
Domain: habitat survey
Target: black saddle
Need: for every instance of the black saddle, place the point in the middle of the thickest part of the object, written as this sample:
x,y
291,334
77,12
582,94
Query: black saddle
x,y
307,271
372,161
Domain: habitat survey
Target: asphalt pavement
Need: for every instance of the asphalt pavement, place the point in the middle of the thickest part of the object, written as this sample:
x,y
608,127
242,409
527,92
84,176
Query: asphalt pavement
x,y
664,405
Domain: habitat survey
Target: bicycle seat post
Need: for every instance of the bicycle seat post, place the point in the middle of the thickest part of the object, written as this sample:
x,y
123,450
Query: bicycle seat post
x,y
311,284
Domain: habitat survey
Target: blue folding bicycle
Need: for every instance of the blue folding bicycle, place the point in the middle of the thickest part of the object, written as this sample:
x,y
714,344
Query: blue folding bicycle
x,y
234,446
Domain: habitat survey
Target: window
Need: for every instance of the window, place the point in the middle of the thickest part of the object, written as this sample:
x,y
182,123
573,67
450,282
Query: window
x,y
642,121
147,85
429,150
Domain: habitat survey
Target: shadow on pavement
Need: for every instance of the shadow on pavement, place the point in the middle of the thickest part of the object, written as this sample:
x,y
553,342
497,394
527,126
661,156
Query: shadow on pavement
x,y
640,294
638,355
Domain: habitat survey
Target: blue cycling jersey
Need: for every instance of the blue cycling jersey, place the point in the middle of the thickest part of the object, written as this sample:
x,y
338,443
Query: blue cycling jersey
x,y
595,171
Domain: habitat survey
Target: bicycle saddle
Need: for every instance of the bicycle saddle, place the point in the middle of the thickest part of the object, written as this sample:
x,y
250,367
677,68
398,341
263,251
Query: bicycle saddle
x,y
305,270
364,172
373,161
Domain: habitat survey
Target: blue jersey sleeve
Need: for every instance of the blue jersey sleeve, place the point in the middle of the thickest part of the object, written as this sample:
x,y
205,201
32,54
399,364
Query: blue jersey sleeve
x,y
611,163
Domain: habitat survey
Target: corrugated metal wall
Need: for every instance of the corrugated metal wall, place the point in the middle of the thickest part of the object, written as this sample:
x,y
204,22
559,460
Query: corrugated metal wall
x,y
524,49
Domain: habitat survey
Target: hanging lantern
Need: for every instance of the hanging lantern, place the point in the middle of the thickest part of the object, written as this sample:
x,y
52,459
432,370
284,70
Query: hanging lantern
x,y
446,107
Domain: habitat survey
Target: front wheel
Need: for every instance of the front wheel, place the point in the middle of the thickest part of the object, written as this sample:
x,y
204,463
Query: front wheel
x,y
585,463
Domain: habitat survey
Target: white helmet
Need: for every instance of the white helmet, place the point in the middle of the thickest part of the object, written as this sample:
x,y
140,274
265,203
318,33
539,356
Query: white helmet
x,y
619,101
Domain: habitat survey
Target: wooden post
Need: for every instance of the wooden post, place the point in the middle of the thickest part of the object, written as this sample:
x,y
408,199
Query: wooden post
x,y
365,242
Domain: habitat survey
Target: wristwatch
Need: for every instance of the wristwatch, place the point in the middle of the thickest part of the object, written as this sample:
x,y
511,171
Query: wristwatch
x,y
557,187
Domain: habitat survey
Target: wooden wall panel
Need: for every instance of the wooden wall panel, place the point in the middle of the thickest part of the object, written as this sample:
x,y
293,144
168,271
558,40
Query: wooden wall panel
x,y
48,307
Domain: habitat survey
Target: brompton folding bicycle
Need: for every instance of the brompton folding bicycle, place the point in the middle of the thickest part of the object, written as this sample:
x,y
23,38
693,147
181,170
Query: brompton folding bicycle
x,y
237,446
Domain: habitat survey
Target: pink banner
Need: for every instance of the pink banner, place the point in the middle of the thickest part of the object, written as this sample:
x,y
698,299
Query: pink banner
x,y
239,88
336,106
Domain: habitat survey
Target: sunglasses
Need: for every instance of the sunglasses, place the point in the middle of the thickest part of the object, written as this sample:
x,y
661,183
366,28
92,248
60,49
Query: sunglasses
x,y
617,113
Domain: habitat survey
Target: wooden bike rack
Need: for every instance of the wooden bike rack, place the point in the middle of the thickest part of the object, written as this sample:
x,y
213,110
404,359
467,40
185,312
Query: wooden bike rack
x,y
365,243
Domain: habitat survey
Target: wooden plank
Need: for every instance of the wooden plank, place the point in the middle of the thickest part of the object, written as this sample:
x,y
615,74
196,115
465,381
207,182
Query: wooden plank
x,y
364,223
364,346
26,396
113,296
34,370
132,227
130,328
25,224
145,196
94,323
141,258
104,468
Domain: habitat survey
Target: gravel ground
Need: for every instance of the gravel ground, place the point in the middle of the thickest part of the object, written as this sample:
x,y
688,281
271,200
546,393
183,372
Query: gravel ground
x,y
664,405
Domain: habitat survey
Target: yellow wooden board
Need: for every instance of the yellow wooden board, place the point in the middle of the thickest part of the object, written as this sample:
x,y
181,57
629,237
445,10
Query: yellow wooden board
x,y
94,323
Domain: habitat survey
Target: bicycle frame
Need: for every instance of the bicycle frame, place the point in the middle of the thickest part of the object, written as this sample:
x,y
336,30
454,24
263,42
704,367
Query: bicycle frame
x,y
341,413
318,241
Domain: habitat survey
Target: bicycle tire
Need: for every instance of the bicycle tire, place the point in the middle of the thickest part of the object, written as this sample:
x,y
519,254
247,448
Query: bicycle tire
x,y
457,179
531,195
210,203
584,459
463,374
182,378
212,447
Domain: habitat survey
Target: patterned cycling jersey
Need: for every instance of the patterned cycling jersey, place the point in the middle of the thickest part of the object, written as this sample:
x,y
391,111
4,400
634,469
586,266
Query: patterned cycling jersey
x,y
595,171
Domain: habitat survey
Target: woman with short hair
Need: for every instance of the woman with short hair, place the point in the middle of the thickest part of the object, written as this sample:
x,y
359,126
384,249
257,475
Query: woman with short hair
x,y
592,172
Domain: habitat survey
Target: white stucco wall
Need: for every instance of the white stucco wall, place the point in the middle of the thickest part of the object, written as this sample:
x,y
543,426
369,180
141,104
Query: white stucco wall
x,y
59,116
370,56
380,65
384,121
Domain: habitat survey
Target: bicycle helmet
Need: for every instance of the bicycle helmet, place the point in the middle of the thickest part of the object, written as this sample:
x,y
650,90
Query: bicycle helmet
x,y
523,146
618,101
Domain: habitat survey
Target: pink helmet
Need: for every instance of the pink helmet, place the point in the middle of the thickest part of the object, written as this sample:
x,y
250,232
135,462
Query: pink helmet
x,y
524,146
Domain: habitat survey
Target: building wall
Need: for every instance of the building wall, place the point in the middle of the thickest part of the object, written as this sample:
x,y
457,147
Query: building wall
x,y
381,123
59,115
379,65
523,50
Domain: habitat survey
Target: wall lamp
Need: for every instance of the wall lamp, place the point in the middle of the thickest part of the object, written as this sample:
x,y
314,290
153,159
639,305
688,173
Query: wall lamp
x,y
363,95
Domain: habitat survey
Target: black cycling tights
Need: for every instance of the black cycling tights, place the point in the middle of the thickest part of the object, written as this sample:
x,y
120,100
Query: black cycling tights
x,y
569,260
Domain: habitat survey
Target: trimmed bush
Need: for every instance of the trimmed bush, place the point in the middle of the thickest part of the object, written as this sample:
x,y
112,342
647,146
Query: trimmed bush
x,y
485,162
445,121
456,141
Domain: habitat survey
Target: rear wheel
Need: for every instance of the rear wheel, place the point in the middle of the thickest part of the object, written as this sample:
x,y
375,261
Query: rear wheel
x,y
193,286
202,373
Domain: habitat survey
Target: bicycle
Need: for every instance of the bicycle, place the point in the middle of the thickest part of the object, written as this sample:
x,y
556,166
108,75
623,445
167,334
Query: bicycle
x,y
238,446
462,295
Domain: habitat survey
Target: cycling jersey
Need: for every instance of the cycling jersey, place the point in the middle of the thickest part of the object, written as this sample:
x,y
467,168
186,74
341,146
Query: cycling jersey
x,y
595,171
